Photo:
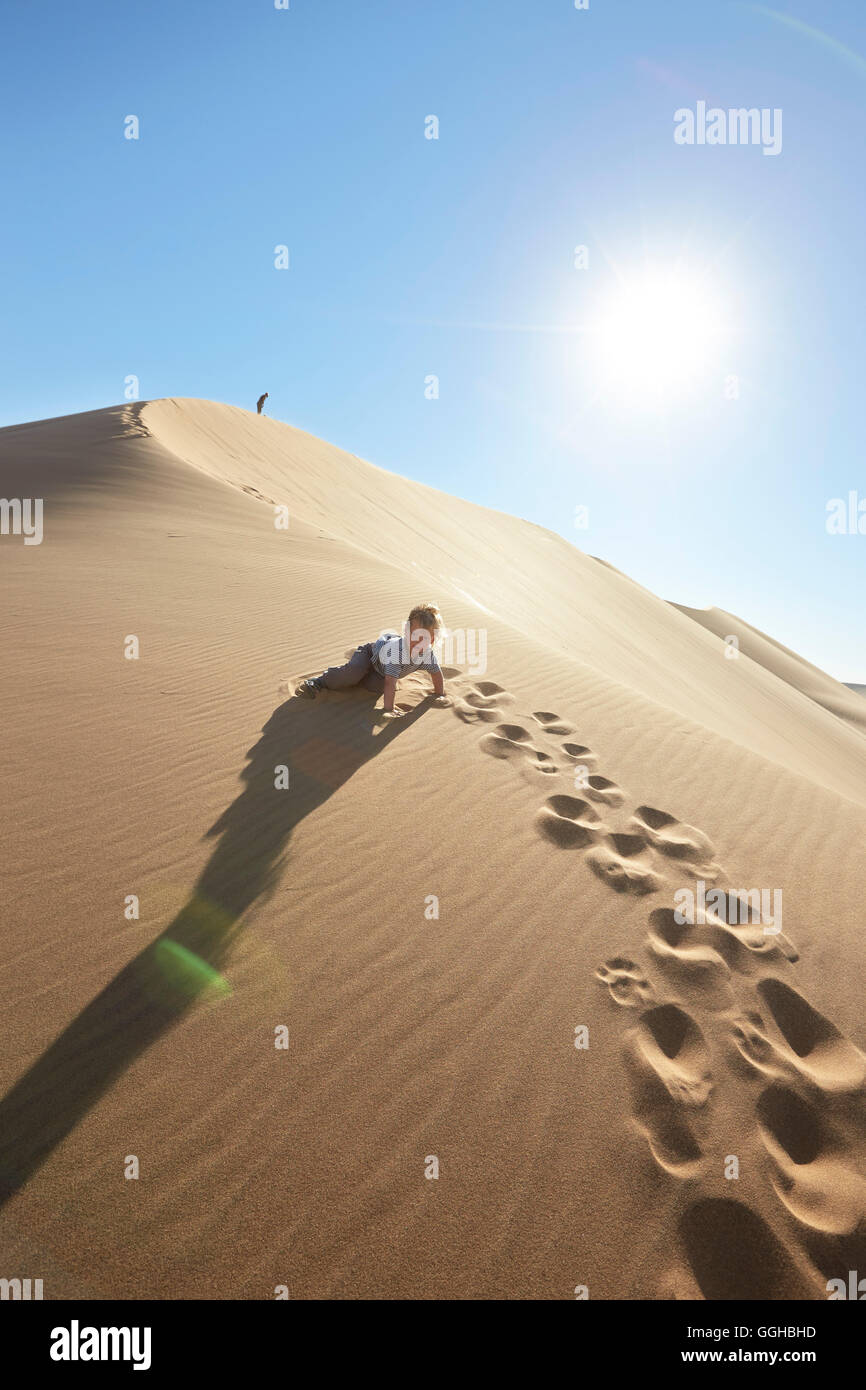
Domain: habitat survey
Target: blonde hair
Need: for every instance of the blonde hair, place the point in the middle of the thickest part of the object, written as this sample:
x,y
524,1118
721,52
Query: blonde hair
x,y
426,615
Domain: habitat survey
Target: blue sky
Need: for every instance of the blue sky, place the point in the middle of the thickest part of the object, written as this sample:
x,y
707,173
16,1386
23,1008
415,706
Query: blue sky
x,y
455,257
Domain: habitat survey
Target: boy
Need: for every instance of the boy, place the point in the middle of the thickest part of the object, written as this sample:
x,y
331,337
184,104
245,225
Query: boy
x,y
378,665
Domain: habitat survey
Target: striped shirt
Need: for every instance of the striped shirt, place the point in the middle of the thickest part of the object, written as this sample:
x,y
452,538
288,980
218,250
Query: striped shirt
x,y
392,656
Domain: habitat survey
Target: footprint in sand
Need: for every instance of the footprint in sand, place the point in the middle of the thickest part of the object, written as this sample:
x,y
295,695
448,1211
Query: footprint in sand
x,y
488,691
671,1042
823,1056
569,822
601,789
813,1049
676,840
512,742
809,1175
254,492
733,1254
582,760
622,864
691,964
738,931
626,982
754,1048
551,723
667,1060
484,702
578,753
745,922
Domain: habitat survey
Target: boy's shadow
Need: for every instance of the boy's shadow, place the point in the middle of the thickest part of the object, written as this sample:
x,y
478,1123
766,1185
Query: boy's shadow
x,y
321,745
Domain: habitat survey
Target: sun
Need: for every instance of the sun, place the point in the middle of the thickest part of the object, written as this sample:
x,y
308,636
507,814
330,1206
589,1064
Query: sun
x,y
657,336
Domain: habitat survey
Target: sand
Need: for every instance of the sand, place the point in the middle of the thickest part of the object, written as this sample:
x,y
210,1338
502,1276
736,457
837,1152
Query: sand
x,y
433,913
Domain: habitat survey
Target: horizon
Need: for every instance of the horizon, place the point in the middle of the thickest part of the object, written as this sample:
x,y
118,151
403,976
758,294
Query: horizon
x,y
482,304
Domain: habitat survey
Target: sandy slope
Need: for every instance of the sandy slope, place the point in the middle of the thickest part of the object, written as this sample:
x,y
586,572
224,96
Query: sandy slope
x,y
787,665
408,1036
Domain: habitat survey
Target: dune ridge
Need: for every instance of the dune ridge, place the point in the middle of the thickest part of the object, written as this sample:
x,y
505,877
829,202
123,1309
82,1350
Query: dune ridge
x,y
787,665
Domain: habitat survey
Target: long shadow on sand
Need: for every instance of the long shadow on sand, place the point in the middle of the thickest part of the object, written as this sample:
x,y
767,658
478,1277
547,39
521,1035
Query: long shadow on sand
x,y
322,745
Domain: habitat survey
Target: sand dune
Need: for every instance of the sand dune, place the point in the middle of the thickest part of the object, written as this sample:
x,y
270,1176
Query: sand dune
x,y
787,665
607,757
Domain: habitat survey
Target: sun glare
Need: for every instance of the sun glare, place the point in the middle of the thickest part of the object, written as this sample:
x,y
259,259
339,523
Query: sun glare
x,y
657,337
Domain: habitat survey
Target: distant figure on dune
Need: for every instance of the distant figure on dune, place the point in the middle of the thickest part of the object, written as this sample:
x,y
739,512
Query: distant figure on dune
x,y
378,665
261,401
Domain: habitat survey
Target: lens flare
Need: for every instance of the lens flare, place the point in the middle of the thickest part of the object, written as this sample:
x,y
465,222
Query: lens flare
x,y
187,972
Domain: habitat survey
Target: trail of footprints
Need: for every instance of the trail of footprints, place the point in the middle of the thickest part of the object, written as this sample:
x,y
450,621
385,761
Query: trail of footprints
x,y
809,1115
808,1111
628,858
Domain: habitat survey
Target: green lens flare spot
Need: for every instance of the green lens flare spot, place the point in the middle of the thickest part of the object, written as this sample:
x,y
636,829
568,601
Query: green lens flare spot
x,y
188,972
